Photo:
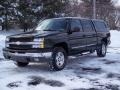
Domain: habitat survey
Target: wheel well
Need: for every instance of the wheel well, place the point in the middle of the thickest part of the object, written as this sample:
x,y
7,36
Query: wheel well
x,y
105,40
63,45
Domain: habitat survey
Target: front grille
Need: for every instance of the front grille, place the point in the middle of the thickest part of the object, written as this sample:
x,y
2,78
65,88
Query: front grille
x,y
21,39
13,46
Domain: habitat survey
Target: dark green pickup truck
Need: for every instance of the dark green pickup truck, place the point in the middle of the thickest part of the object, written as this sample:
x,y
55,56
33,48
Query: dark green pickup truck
x,y
55,39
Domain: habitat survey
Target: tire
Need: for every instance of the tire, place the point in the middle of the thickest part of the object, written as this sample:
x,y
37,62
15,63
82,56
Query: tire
x,y
101,52
59,58
21,64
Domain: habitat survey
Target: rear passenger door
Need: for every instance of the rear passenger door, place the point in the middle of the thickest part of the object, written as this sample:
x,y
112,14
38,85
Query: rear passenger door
x,y
102,30
90,33
76,39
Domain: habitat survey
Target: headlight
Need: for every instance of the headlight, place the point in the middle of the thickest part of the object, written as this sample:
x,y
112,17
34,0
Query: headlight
x,y
40,41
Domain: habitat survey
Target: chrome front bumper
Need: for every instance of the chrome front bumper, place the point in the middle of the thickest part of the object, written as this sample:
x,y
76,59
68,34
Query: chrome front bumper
x,y
46,55
31,57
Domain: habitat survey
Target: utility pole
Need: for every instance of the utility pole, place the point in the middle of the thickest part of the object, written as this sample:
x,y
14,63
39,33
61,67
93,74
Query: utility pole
x,y
94,9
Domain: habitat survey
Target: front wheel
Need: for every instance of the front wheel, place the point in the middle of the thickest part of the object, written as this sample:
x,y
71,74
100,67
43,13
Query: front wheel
x,y
101,52
21,64
59,58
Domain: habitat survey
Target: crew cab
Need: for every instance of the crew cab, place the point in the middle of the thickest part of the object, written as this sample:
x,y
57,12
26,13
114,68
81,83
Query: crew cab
x,y
53,40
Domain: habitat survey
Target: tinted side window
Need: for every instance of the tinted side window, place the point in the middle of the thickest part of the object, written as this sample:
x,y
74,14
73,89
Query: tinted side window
x,y
75,23
87,25
100,26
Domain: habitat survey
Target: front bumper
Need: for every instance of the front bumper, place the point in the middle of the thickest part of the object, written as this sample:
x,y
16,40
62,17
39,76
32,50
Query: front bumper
x,y
28,55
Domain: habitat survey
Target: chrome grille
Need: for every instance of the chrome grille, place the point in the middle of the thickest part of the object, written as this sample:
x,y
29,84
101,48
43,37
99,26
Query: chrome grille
x,y
14,43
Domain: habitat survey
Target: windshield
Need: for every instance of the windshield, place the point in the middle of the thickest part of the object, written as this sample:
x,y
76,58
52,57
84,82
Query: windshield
x,y
52,25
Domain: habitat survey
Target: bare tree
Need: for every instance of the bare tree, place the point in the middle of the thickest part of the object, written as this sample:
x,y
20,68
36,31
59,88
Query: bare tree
x,y
117,17
105,10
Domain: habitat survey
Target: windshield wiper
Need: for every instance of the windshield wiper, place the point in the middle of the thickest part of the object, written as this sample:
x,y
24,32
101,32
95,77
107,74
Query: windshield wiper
x,y
49,30
53,30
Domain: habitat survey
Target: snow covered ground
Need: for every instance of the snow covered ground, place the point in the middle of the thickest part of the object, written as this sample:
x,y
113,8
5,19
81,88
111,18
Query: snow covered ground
x,y
87,72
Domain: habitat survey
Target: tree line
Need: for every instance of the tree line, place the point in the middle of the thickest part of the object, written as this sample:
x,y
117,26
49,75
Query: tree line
x,y
17,12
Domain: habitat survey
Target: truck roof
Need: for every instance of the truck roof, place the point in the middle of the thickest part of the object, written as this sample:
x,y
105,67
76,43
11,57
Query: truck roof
x,y
77,18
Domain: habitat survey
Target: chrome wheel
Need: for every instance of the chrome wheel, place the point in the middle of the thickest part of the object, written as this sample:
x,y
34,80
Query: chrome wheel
x,y
103,49
60,58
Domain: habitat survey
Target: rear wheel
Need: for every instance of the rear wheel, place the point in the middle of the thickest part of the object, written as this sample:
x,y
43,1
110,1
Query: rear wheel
x,y
59,59
21,64
101,52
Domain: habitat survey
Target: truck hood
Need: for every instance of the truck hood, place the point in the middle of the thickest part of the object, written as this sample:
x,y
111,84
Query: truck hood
x,y
35,34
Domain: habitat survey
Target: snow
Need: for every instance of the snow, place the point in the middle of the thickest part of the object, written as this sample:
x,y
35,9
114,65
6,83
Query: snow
x,y
115,39
2,44
81,72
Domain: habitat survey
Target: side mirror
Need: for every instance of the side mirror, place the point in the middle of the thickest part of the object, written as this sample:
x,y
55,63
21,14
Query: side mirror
x,y
76,29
